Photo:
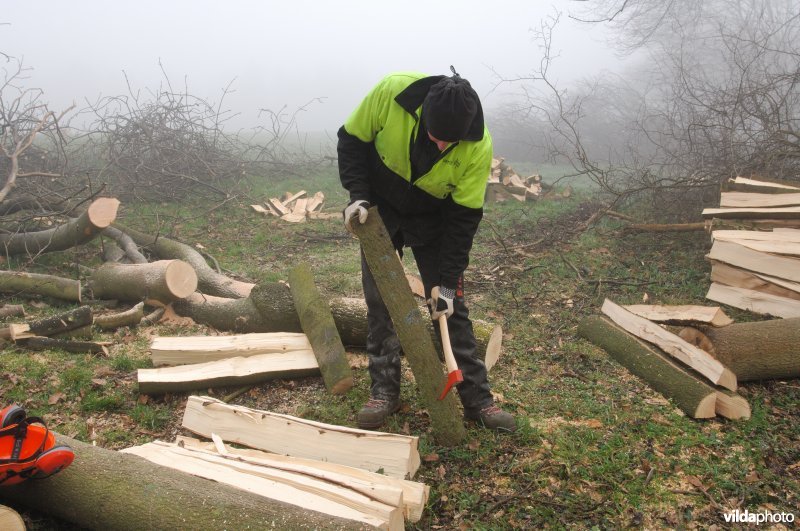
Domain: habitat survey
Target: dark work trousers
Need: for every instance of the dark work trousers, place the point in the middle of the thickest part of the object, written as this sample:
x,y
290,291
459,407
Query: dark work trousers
x,y
383,346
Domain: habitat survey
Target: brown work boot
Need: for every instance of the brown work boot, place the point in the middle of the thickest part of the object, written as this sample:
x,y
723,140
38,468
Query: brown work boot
x,y
493,418
375,412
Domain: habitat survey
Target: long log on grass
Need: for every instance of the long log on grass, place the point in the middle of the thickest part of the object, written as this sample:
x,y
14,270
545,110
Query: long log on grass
x,y
759,350
412,329
38,284
350,315
70,345
63,322
100,214
209,281
164,281
320,328
103,489
694,397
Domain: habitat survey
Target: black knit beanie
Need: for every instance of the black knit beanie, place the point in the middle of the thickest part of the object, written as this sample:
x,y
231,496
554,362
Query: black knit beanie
x,y
450,107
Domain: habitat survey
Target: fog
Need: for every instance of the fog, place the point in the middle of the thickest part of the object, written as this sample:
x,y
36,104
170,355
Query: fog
x,y
277,55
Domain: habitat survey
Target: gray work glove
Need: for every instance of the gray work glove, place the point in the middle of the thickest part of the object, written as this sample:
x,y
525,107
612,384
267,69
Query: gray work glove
x,y
441,302
356,208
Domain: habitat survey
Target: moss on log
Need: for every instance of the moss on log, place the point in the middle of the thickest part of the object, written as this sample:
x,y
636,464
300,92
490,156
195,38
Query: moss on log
x,y
696,398
36,284
412,329
318,325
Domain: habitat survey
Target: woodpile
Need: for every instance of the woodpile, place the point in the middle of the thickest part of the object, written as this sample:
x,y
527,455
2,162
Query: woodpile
x,y
755,257
504,184
295,208
356,475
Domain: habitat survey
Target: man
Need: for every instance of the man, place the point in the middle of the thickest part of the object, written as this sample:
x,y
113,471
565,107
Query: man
x,y
417,148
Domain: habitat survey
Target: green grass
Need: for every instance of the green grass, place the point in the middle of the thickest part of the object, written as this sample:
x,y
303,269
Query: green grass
x,y
596,447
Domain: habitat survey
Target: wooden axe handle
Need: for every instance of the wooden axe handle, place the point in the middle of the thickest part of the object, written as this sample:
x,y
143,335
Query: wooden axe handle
x,y
449,358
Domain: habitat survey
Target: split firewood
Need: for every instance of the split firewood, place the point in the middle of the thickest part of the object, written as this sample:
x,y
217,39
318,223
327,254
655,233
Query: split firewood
x,y
682,314
290,197
753,213
320,328
743,184
184,350
740,256
208,280
732,405
143,496
80,347
100,214
130,317
395,455
237,371
694,397
673,345
37,284
414,494
315,203
260,209
729,275
759,350
411,327
15,331
754,301
758,200
294,489
276,204
163,281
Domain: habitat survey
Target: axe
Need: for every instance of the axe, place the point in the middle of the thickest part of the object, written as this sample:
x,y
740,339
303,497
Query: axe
x,y
454,375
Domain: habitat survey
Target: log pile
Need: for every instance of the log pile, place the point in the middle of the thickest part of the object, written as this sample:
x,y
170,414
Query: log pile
x,y
356,475
295,208
755,257
504,184
698,383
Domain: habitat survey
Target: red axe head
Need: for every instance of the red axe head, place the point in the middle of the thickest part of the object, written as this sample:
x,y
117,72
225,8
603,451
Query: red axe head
x,y
453,378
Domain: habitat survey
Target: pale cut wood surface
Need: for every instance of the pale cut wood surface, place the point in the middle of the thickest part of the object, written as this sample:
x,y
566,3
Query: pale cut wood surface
x,y
758,262
732,406
10,520
396,455
711,315
230,371
200,349
741,278
755,182
776,234
261,486
673,345
754,301
772,247
751,200
415,494
749,213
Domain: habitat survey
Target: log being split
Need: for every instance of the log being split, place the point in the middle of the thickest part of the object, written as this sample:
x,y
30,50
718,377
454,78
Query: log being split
x,y
103,489
320,328
411,327
209,281
395,455
100,214
164,281
759,350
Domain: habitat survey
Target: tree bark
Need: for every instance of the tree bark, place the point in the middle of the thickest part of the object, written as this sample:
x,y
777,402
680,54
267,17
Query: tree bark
x,y
130,317
750,224
11,310
412,329
164,281
209,281
36,284
100,214
103,489
696,398
656,227
759,350
318,325
63,322
80,347
126,245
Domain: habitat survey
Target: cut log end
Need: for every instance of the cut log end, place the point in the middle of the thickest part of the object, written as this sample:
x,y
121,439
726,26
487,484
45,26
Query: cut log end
x,y
493,347
180,278
727,380
706,408
103,211
732,406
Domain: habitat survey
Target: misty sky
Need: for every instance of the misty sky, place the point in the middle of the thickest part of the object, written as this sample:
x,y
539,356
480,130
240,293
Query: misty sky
x,y
285,53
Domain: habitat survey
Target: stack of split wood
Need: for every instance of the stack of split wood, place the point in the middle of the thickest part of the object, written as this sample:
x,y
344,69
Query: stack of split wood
x,y
295,208
755,256
355,475
504,183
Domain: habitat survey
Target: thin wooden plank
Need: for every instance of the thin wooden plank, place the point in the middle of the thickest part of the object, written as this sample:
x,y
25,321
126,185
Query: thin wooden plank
x,y
182,350
681,314
756,200
740,256
751,213
754,301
